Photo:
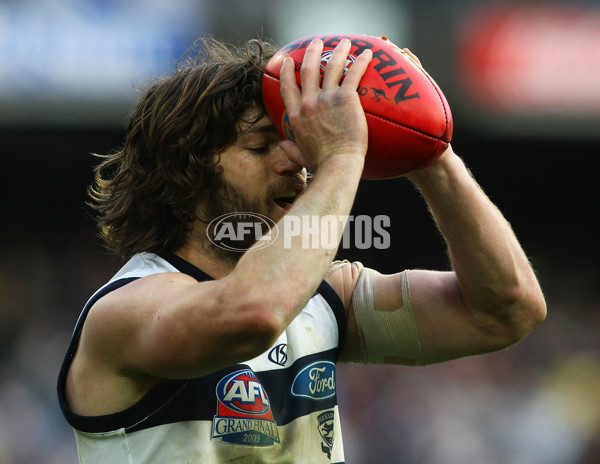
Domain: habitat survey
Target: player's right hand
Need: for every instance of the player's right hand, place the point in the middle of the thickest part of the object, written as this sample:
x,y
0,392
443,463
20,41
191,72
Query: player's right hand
x,y
328,120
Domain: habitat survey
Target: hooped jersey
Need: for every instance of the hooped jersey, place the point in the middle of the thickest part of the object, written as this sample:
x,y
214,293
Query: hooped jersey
x,y
280,407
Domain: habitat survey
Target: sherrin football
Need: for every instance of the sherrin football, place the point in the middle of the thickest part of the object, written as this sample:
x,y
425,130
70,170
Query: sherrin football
x,y
408,117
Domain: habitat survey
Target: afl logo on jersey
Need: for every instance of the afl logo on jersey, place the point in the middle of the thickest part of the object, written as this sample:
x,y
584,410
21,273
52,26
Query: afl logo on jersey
x,y
242,392
244,414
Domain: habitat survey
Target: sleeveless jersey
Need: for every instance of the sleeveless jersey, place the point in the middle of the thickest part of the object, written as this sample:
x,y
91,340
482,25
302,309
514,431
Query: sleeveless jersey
x,y
280,407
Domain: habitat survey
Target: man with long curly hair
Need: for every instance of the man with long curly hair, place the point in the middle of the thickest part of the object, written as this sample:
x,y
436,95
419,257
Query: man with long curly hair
x,y
197,353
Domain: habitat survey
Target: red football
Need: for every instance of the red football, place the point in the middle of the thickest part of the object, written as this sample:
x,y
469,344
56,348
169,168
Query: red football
x,y
408,117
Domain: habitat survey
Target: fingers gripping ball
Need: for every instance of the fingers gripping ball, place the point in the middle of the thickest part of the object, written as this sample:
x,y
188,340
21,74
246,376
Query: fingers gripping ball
x,y
408,117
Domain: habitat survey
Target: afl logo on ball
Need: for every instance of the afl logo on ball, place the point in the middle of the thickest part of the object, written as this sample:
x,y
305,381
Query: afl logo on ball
x,y
326,55
286,126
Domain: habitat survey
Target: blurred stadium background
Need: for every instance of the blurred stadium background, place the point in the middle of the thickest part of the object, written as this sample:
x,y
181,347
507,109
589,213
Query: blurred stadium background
x,y
523,80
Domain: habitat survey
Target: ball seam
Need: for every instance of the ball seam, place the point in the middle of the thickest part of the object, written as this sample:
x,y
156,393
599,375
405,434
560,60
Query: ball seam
x,y
439,95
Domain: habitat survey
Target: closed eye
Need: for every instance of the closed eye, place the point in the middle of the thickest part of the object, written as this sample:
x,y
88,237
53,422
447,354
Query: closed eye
x,y
259,150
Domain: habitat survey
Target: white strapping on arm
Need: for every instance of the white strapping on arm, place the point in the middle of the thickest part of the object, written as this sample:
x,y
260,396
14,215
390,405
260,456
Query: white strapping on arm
x,y
386,337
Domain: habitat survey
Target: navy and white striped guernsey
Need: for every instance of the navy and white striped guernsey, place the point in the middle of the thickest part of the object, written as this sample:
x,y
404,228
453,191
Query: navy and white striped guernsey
x,y
280,407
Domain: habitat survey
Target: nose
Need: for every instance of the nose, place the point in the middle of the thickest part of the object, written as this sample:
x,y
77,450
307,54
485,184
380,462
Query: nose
x,y
287,162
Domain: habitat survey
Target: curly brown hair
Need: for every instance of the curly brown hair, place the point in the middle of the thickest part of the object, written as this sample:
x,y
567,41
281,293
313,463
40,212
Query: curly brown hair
x,y
145,194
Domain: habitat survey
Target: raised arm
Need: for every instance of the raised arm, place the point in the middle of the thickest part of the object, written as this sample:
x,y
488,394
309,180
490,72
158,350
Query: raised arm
x,y
490,299
169,325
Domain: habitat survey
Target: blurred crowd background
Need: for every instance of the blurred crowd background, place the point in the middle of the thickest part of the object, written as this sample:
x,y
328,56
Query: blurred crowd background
x,y
523,81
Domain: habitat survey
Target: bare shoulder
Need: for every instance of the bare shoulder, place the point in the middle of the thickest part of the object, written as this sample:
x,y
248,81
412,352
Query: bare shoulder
x,y
139,293
118,312
103,377
166,326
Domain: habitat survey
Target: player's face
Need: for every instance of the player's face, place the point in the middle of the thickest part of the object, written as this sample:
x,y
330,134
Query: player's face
x,y
258,176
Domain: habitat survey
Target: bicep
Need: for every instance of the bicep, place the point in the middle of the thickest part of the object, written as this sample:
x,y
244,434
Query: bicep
x,y
165,325
447,327
414,317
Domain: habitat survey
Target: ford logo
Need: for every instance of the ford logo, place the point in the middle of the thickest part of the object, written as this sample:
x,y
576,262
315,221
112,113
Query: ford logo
x,y
315,381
